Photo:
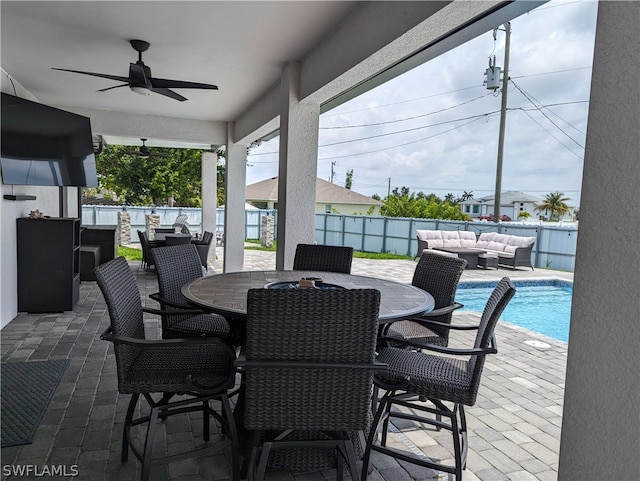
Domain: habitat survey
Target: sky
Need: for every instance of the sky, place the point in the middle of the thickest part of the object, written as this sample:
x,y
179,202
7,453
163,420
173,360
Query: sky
x,y
435,129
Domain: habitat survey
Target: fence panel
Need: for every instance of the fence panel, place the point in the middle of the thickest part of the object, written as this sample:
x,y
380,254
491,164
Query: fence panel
x,y
555,246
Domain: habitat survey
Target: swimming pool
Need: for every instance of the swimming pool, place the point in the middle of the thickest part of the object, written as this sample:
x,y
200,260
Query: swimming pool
x,y
541,306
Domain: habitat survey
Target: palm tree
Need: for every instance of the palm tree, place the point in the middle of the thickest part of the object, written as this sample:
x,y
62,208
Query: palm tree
x,y
555,203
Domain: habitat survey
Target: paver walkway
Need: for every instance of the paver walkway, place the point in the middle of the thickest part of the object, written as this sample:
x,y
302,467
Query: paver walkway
x,y
514,428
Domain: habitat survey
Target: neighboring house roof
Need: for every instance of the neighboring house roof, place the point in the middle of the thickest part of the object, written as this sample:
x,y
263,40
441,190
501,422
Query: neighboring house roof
x,y
509,197
326,192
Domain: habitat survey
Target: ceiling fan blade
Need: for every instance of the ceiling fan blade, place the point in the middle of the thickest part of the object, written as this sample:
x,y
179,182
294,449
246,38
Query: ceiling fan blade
x,y
169,93
114,87
93,74
179,84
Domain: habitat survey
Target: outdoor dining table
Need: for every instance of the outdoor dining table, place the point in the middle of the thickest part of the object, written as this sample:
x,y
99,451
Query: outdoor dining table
x,y
226,294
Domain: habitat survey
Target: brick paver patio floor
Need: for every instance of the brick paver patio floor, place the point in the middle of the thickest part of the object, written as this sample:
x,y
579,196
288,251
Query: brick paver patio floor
x,y
514,428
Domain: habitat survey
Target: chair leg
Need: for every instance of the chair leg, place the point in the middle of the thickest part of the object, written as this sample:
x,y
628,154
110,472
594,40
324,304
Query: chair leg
x,y
382,407
350,456
233,434
126,431
463,433
248,467
148,444
264,458
205,421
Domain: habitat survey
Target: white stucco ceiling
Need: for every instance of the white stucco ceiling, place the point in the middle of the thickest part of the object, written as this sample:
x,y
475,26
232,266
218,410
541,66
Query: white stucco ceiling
x,y
239,46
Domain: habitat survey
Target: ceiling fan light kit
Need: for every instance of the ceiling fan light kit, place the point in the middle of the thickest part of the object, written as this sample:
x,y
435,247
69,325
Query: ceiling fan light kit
x,y
142,82
140,90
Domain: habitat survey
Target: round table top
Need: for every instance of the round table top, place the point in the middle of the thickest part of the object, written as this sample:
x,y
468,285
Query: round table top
x,y
226,294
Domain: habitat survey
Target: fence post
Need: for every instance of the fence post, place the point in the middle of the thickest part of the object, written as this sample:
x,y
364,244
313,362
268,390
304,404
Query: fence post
x,y
412,223
384,235
124,228
324,230
536,263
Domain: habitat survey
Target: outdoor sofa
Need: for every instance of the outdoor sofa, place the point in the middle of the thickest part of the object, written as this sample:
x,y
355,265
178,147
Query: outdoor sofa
x,y
510,250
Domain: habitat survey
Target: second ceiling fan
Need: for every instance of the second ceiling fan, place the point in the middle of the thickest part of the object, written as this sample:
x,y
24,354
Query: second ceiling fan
x,y
144,152
141,81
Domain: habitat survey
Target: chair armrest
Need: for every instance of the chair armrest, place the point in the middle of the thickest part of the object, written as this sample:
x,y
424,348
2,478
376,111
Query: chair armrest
x,y
463,327
107,335
442,310
187,309
492,349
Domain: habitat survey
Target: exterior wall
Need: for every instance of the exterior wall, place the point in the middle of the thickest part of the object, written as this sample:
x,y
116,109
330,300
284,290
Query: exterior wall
x,y
47,201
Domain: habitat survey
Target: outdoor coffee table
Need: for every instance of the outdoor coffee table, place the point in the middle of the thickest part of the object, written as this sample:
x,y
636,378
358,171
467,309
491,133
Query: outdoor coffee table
x,y
469,255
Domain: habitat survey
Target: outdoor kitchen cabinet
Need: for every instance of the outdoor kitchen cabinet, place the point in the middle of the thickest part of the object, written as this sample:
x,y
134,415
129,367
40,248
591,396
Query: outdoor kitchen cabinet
x,y
48,264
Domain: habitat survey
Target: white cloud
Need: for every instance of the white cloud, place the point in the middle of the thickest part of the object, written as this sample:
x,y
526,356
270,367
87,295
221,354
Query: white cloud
x,y
551,55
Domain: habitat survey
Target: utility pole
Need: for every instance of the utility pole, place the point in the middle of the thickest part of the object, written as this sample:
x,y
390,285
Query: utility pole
x,y
503,121
332,166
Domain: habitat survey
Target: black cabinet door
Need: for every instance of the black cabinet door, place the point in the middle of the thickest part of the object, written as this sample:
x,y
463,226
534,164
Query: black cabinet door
x,y
48,264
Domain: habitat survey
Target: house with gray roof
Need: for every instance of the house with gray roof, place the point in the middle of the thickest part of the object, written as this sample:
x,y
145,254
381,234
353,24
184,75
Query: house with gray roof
x,y
512,203
330,198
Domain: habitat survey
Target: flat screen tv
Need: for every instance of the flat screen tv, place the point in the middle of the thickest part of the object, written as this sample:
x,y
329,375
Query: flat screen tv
x,y
42,145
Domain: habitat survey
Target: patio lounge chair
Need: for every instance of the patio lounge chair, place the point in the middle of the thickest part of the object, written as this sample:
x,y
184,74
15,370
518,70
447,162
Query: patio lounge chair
x,y
181,224
308,374
423,384
200,369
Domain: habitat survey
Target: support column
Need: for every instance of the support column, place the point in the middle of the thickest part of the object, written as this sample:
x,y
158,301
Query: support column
x,y
297,171
234,218
209,191
600,422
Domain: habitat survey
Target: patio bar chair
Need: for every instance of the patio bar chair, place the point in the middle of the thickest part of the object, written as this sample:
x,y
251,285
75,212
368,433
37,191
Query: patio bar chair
x,y
433,389
198,369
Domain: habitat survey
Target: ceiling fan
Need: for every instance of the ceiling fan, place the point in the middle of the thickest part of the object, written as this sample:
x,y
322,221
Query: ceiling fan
x,y
144,152
141,81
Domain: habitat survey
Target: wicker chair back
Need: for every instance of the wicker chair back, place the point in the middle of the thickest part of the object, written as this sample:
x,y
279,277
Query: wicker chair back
x,y
317,257
328,329
176,266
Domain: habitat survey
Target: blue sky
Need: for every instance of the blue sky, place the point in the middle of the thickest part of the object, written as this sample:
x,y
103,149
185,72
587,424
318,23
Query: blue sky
x,y
435,128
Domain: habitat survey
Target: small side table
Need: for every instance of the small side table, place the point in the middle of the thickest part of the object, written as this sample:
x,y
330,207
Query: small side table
x,y
488,261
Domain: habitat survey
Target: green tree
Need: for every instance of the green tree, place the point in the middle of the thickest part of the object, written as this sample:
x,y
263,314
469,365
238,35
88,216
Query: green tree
x,y
401,203
555,203
171,180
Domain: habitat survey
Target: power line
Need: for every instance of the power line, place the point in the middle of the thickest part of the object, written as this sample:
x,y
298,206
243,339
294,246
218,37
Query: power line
x,y
531,99
406,118
473,117
400,145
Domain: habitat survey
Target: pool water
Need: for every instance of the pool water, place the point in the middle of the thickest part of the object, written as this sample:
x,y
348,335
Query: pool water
x,y
543,307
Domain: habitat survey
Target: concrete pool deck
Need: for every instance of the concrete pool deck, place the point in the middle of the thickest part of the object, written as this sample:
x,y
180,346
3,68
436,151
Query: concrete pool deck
x,y
514,428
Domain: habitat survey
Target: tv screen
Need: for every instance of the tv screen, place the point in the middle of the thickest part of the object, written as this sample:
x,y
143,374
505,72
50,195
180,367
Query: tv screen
x,y
42,145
